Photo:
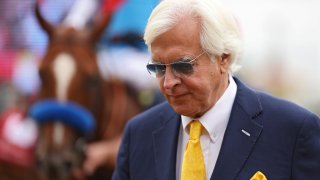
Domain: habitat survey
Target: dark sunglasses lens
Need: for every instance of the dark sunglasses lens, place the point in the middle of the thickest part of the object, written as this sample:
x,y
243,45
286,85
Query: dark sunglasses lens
x,y
183,68
156,70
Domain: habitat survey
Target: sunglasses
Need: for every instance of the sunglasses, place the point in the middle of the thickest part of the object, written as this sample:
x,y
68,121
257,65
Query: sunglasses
x,y
179,68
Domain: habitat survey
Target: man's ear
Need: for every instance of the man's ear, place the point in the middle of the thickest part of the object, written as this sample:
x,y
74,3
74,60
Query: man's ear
x,y
224,62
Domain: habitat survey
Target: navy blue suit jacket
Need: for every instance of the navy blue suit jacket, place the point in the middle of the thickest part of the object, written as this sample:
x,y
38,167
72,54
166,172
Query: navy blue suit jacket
x,y
284,142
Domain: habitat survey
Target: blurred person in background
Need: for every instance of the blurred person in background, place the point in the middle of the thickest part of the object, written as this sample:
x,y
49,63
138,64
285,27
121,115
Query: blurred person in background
x,y
234,132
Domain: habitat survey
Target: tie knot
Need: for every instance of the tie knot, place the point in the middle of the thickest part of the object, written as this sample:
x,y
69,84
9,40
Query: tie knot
x,y
195,130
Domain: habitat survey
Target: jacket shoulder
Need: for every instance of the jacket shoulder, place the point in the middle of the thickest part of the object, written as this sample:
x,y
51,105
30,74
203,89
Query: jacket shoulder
x,y
282,107
153,116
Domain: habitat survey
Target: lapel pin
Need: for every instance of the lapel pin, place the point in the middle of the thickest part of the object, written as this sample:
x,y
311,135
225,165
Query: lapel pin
x,y
245,132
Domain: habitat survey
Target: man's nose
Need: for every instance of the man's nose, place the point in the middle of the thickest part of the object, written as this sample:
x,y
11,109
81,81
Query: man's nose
x,y
170,78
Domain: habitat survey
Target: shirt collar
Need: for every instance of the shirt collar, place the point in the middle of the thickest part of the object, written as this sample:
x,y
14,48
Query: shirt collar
x,y
215,120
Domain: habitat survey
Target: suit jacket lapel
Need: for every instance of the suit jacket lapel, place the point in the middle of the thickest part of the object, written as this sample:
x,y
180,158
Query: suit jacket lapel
x,y
243,131
165,140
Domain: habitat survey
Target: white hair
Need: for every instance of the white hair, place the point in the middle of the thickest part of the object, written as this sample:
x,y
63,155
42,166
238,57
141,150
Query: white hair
x,y
219,32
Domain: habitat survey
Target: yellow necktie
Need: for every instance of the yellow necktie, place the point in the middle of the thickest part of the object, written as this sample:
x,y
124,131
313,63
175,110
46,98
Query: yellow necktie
x,y
193,162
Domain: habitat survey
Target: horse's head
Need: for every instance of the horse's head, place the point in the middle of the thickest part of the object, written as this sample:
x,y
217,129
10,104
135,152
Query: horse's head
x,y
70,98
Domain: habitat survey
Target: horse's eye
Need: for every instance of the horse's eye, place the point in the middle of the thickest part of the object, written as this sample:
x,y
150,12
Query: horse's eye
x,y
41,74
44,74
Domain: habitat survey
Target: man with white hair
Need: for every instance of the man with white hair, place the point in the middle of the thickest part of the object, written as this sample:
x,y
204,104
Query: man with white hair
x,y
212,126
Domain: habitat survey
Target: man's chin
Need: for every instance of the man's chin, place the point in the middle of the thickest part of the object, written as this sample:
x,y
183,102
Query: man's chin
x,y
182,109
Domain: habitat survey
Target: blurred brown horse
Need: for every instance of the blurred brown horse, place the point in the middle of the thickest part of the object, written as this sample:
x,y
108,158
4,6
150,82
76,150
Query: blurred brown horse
x,y
76,104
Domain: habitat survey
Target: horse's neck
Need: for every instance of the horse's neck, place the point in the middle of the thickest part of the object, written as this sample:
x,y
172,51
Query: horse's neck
x,y
120,105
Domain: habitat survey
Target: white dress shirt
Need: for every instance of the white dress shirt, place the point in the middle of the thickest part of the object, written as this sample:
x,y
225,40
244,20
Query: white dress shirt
x,y
215,123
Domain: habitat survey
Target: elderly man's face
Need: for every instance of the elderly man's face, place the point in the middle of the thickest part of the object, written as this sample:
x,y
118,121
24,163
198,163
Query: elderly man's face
x,y
194,94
